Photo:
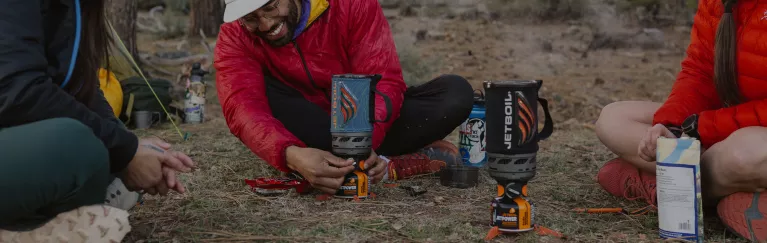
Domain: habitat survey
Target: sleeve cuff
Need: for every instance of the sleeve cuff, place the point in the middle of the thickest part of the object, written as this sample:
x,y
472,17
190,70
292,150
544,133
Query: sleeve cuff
x,y
122,155
677,131
281,163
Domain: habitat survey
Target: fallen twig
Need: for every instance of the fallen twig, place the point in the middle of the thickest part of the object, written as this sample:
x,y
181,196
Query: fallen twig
x,y
233,199
179,61
205,43
265,199
178,45
398,234
252,238
303,220
158,21
241,237
154,66
635,221
155,24
381,204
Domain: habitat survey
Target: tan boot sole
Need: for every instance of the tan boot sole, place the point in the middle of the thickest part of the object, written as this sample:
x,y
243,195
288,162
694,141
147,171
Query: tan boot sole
x,y
96,223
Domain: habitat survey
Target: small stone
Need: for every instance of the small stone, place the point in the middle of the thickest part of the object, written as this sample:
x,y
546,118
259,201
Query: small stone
x,y
436,35
599,81
421,35
573,30
397,226
547,46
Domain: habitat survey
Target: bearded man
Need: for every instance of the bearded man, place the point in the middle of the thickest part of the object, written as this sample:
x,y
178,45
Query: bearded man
x,y
274,61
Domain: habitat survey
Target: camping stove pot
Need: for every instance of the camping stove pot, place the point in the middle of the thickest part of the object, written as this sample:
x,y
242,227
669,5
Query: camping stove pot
x,y
512,146
512,130
352,117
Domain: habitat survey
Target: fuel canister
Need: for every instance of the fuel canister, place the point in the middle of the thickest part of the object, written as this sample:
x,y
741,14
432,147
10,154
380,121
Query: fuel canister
x,y
472,135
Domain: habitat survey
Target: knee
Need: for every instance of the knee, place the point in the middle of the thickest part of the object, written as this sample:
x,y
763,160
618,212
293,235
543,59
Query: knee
x,y
742,154
72,141
736,165
609,116
459,95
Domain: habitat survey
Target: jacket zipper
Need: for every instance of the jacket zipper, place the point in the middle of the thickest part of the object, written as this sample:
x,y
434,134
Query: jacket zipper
x,y
309,74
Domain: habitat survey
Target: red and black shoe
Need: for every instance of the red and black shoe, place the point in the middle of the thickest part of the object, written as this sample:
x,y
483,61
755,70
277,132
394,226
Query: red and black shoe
x,y
428,160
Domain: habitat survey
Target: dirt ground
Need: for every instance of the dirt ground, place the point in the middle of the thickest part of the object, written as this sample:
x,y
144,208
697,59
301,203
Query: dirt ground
x,y
478,46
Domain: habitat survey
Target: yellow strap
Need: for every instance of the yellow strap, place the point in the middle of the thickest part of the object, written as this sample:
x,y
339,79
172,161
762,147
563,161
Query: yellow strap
x,y
127,54
130,106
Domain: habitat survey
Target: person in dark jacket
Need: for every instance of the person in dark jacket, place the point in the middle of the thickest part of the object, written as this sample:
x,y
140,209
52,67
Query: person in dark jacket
x,y
60,144
274,61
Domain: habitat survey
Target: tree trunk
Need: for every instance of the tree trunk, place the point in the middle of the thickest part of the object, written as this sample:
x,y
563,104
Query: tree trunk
x,y
122,14
206,15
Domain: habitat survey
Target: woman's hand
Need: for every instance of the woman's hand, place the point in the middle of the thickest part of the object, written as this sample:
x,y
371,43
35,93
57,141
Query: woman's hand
x,y
648,144
183,158
322,169
170,182
151,164
169,175
144,171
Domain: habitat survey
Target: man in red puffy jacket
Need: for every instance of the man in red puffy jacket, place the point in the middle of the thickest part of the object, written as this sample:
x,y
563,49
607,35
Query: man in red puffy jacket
x,y
274,62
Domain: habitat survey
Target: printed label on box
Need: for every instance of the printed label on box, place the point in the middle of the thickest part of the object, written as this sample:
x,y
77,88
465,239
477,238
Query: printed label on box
x,y
680,214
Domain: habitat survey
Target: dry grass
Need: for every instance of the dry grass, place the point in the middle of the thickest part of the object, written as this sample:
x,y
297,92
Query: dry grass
x,y
220,208
416,69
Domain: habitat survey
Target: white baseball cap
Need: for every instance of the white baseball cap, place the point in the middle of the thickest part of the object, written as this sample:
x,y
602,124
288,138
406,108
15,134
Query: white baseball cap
x,y
236,9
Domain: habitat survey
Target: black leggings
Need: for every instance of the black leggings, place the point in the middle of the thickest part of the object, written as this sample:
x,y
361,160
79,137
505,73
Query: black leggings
x,y
430,112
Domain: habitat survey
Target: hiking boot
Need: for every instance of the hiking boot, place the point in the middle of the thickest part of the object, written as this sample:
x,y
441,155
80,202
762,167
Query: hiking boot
x,y
745,214
428,160
96,223
119,196
621,179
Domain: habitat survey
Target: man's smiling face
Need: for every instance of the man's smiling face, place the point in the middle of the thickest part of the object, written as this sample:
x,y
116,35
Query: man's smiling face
x,y
275,22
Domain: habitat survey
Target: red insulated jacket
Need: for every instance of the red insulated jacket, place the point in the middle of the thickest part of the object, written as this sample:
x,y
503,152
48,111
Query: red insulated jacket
x,y
343,36
694,92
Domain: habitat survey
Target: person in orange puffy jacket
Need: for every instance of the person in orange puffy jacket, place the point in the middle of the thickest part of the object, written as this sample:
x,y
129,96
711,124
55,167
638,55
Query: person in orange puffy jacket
x,y
274,61
720,98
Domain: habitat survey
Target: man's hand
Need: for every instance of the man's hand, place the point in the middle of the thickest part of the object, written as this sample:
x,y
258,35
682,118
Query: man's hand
x,y
649,143
376,168
322,169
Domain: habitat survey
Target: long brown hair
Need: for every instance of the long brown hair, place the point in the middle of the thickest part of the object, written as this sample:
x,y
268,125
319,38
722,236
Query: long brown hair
x,y
93,52
725,58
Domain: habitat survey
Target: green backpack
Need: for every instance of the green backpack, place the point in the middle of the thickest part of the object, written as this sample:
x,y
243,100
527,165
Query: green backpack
x,y
137,96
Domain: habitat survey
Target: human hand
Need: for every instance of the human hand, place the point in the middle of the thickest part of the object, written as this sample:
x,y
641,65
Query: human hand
x,y
185,160
145,170
648,144
169,175
376,167
321,169
171,182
